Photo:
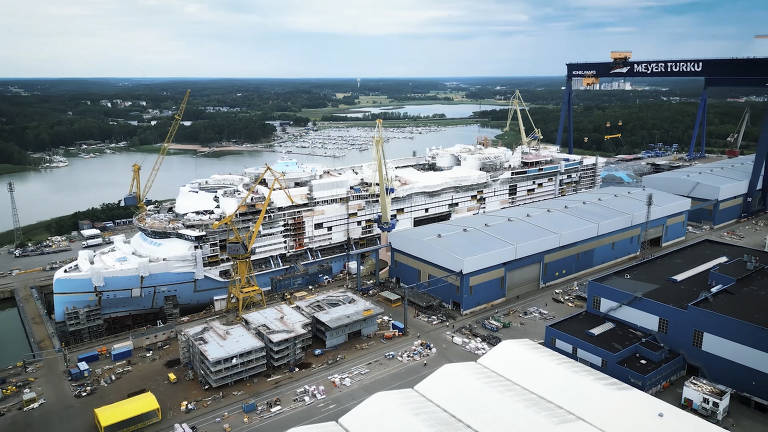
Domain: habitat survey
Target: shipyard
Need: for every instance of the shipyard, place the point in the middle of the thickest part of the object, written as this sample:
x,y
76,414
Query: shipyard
x,y
559,244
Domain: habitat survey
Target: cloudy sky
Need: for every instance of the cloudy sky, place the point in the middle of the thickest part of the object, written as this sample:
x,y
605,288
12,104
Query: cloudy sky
x,y
360,38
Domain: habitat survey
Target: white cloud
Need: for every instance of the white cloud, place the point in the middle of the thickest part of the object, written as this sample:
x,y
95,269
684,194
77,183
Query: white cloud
x,y
348,37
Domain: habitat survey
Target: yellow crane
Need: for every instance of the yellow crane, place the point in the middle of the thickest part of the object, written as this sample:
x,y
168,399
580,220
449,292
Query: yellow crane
x,y
243,289
137,195
515,102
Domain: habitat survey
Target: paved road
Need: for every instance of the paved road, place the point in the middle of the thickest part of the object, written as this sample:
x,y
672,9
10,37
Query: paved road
x,y
384,375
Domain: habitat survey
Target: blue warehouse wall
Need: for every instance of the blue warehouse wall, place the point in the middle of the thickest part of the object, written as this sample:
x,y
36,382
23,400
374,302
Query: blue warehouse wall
x,y
752,340
611,365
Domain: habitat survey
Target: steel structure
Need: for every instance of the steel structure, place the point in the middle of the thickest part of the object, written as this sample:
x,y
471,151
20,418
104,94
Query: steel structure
x,y
137,194
15,213
243,289
733,72
515,102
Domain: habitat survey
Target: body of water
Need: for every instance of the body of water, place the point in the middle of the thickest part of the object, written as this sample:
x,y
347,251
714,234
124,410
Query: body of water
x,y
86,183
450,111
13,340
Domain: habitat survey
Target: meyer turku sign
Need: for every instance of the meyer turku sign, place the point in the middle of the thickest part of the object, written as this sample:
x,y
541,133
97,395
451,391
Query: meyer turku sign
x,y
703,68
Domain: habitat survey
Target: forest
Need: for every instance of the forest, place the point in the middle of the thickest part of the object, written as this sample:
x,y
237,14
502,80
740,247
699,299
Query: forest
x,y
44,114
642,124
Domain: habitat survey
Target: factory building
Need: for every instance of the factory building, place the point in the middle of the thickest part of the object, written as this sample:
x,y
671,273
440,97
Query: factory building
x,y
338,315
717,190
221,354
286,332
517,385
616,349
705,301
482,259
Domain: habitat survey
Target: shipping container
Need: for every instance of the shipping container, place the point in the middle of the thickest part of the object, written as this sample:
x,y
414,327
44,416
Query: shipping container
x,y
88,357
85,370
122,353
117,346
75,374
398,326
249,406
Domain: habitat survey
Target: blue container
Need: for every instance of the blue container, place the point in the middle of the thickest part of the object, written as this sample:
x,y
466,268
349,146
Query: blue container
x,y
88,357
122,353
75,374
397,325
249,406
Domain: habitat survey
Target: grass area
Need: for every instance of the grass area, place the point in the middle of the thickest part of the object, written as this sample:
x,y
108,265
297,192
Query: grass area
x,y
32,232
10,169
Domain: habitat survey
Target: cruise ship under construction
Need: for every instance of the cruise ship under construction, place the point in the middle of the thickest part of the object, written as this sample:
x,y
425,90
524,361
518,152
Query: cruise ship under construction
x,y
178,261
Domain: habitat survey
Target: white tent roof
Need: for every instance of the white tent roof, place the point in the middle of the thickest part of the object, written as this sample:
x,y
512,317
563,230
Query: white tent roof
x,y
712,181
518,385
476,242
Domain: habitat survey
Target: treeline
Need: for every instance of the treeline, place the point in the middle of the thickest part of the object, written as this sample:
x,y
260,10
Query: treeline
x,y
643,124
66,224
384,115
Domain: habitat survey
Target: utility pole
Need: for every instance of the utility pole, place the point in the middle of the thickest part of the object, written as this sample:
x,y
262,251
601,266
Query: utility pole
x,y
15,213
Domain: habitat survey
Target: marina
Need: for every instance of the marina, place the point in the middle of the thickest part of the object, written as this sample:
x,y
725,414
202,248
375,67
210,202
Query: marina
x,y
71,188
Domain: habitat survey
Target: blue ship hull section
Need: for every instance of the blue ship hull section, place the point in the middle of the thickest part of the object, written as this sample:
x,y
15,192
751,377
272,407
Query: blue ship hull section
x,y
119,295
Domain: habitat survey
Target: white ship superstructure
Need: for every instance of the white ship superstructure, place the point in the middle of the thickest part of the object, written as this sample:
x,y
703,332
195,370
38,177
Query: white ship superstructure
x,y
333,210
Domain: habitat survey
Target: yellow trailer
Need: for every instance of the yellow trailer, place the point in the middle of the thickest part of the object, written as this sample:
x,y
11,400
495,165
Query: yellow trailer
x,y
128,414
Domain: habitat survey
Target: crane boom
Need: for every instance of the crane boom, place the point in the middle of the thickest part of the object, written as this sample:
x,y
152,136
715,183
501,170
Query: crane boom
x,y
384,221
515,103
163,150
243,288
744,121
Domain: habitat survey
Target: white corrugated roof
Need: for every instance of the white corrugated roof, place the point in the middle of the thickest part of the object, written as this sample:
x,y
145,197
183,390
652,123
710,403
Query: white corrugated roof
x,y
712,181
518,385
476,242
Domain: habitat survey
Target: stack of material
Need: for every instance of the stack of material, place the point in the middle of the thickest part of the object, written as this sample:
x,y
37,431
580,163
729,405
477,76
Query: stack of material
x,y
473,345
419,350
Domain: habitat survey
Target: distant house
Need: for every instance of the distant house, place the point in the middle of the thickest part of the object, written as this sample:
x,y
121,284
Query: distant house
x,y
84,225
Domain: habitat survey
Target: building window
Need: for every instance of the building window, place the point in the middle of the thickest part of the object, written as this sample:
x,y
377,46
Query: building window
x,y
613,245
596,303
715,405
552,341
330,229
698,338
603,363
470,289
663,325
575,351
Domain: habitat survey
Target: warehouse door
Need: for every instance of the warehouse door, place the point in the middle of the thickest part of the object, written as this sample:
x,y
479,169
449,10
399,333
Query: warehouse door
x,y
524,279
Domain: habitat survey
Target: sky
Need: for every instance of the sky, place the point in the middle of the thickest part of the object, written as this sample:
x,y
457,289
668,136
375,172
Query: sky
x,y
360,38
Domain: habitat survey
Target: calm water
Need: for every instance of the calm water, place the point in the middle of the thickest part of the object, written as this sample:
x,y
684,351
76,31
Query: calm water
x,y
13,340
450,111
85,183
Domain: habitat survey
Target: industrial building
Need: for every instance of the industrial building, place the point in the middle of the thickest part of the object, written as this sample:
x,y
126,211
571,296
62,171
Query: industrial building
x,y
221,354
616,349
717,190
338,315
705,301
518,385
481,259
286,332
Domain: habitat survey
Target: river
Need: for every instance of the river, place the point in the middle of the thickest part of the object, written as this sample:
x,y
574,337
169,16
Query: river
x,y
13,339
86,183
